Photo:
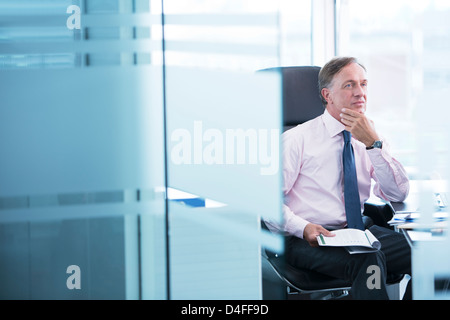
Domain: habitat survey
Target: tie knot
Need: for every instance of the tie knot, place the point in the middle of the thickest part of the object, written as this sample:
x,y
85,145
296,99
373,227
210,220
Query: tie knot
x,y
347,136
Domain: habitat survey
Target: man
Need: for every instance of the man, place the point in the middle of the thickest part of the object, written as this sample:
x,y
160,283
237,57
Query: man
x,y
314,183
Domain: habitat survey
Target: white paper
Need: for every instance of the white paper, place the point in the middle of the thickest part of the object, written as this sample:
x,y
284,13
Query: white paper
x,y
352,240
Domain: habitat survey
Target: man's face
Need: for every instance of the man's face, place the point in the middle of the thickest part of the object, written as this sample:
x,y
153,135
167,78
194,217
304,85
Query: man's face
x,y
348,90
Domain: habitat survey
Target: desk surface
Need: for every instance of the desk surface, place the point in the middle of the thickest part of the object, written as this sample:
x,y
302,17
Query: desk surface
x,y
413,231
414,236
438,188
408,206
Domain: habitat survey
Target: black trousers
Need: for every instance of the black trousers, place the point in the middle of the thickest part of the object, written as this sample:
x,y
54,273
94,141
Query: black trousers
x,y
394,258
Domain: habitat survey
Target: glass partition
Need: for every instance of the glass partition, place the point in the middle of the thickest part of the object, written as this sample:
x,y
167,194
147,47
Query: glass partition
x,y
140,145
223,130
405,56
404,45
82,199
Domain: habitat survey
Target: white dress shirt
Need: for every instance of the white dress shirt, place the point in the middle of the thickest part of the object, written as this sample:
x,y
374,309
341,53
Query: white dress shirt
x,y
313,175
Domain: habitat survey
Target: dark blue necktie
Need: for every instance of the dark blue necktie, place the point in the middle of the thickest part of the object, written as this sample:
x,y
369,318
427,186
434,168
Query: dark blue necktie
x,y
351,193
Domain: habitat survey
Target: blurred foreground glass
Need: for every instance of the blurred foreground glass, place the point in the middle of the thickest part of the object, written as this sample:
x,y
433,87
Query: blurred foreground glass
x,y
94,95
82,201
405,47
223,130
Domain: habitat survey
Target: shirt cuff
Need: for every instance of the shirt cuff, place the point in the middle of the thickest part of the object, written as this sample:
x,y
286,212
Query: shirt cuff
x,y
378,156
293,224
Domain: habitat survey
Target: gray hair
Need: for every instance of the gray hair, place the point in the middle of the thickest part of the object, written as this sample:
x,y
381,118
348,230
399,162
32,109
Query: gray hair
x,y
330,69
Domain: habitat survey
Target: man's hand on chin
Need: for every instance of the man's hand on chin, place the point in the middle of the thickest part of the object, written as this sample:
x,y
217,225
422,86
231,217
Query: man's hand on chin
x,y
361,128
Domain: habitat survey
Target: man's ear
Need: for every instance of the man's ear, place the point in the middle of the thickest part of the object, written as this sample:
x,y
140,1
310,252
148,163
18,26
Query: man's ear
x,y
326,94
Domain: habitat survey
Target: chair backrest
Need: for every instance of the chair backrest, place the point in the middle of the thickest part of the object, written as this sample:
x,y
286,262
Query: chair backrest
x,y
301,96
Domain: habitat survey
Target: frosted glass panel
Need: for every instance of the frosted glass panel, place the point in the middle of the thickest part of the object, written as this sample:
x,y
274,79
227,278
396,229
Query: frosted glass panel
x,y
224,137
212,257
65,134
431,263
405,52
94,114
82,183
223,140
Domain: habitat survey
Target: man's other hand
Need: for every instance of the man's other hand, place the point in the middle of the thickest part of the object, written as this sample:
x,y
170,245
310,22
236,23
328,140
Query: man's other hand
x,y
311,232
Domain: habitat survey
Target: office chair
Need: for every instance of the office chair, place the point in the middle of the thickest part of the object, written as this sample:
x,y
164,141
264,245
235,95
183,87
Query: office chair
x,y
281,281
301,102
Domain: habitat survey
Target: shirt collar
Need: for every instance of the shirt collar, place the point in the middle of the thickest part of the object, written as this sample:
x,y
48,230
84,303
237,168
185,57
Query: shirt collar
x,y
333,126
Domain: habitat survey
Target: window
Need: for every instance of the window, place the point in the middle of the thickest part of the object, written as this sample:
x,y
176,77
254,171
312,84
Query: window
x,y
404,45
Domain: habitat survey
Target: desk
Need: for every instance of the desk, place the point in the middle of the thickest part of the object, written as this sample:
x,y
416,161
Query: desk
x,y
417,187
427,238
407,214
411,205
